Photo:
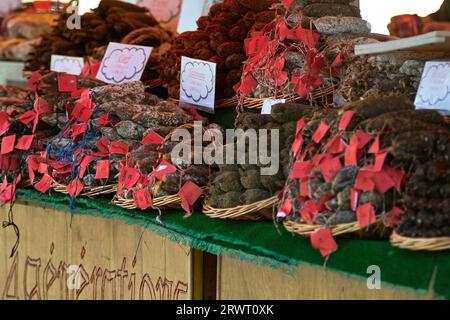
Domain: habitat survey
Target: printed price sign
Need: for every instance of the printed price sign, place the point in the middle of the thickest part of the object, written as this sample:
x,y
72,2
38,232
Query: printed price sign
x,y
123,63
434,88
198,83
269,103
66,64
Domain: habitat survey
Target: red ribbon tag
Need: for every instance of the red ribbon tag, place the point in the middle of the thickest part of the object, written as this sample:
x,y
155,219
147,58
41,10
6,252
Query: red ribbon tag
x,y
320,132
143,199
152,138
329,168
81,112
383,182
395,217
304,188
8,144
27,117
41,106
131,177
104,120
118,147
398,176
163,169
247,85
102,169
44,184
74,188
24,142
365,215
375,147
84,164
297,145
323,240
309,211
78,129
351,152
364,181
301,169
4,122
345,120
300,125
67,83
33,82
189,194
363,139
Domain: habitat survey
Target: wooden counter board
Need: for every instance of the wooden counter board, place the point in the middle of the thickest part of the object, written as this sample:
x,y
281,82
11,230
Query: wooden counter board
x,y
116,260
241,280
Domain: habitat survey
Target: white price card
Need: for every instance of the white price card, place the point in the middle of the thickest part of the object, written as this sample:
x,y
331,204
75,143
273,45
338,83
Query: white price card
x,y
269,103
123,63
434,88
66,64
198,83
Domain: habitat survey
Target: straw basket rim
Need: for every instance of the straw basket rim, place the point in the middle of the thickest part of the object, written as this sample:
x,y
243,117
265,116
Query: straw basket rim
x,y
420,244
87,191
305,230
244,212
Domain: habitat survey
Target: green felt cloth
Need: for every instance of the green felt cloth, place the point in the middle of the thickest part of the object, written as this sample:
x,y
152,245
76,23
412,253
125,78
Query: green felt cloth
x,y
262,243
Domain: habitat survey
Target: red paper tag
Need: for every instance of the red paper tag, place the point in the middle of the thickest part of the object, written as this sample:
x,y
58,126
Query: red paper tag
x,y
78,129
337,62
143,199
81,112
27,117
323,240
104,120
363,139
351,152
354,198
320,132
335,145
41,106
379,161
297,145
33,82
152,138
247,85
301,170
345,120
102,145
365,215
287,3
67,83
163,169
118,147
44,184
43,5
84,164
74,188
383,182
189,194
309,211
300,125
131,177
285,209
24,142
102,169
395,217
8,144
398,176
364,181
329,168
304,188
4,122
375,147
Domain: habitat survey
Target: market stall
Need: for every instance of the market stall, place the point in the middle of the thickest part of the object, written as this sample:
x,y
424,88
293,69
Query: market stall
x,y
281,150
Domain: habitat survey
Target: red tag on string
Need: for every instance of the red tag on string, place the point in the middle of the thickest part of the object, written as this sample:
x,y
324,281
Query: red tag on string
x,y
398,176
4,122
84,164
27,117
395,217
351,152
163,169
304,188
300,125
104,120
363,138
81,112
33,82
67,83
189,194
102,169
43,5
337,62
309,211
78,129
118,147
74,188
345,120
24,142
102,145
44,184
297,145
323,240
364,181
287,3
247,85
301,169
8,144
320,132
152,138
143,199
40,106
383,182
131,177
365,215
375,147
329,168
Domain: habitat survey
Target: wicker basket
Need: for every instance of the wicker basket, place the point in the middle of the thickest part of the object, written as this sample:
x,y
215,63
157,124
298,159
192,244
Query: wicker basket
x,y
420,244
166,202
305,230
262,210
223,103
257,103
87,191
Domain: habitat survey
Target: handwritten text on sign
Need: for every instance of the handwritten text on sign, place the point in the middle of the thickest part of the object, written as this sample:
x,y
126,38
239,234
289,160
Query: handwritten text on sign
x,y
198,83
123,63
434,89
69,65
